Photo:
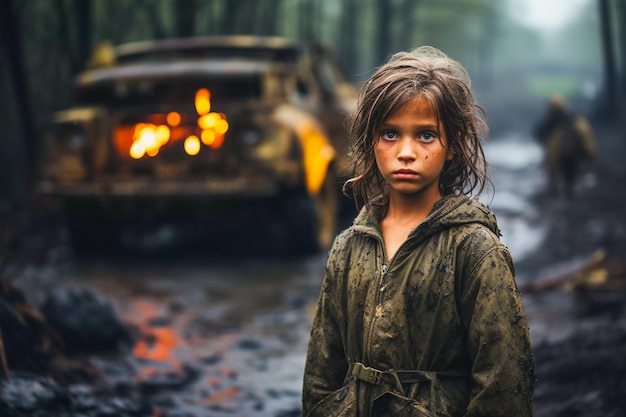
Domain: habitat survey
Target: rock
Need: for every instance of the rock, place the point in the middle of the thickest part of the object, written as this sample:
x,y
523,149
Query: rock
x,y
85,321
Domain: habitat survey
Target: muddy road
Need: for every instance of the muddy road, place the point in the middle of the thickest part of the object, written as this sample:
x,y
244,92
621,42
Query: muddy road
x,y
239,326
221,328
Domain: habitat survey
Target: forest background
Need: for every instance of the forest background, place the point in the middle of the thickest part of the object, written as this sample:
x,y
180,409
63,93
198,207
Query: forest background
x,y
514,66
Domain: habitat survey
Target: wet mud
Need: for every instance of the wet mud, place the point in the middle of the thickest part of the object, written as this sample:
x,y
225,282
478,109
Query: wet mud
x,y
579,339
207,335
221,329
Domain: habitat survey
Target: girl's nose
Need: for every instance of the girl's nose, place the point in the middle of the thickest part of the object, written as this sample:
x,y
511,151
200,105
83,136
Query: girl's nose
x,y
406,150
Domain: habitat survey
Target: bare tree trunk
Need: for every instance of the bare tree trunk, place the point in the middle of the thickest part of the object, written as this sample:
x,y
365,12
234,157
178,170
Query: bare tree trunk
x,y
248,17
621,39
185,17
348,34
268,12
383,41
306,18
10,37
408,29
608,46
485,51
229,17
159,31
65,35
84,24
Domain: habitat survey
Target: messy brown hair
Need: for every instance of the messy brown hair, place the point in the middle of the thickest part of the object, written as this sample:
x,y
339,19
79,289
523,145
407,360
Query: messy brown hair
x,y
427,73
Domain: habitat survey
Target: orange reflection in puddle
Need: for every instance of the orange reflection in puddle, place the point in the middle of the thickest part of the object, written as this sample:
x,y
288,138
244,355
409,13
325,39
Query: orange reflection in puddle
x,y
157,344
222,396
162,350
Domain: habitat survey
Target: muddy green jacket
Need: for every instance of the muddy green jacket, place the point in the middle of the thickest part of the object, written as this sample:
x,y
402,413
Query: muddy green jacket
x,y
439,330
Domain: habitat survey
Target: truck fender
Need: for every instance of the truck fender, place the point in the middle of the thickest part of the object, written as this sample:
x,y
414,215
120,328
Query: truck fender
x,y
317,151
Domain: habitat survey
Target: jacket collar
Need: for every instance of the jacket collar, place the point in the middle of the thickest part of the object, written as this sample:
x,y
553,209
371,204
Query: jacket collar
x,y
450,211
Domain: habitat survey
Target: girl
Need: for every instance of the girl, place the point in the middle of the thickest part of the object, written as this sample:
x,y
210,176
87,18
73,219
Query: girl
x,y
419,313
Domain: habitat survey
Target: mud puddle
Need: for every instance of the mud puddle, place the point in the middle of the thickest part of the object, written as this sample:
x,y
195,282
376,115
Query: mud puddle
x,y
225,340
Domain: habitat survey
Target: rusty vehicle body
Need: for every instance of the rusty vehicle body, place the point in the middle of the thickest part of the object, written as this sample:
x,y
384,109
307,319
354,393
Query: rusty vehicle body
x,y
191,128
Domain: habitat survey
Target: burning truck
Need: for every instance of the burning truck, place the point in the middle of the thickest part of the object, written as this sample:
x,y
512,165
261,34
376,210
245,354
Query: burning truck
x,y
216,129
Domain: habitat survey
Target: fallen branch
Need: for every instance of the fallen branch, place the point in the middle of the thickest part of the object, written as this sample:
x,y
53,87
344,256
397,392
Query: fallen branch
x,y
567,280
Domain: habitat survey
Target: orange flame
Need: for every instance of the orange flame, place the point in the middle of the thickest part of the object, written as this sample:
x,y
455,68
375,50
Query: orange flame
x,y
192,145
214,126
218,397
148,138
203,101
173,119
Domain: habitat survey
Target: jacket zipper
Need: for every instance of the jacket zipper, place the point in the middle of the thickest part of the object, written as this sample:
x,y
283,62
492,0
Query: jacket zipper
x,y
378,299
381,287
384,268
377,310
383,271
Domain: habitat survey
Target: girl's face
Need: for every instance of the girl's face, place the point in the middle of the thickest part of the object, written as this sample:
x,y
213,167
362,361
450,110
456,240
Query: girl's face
x,y
412,150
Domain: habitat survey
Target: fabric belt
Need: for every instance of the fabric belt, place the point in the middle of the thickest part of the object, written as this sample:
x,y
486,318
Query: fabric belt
x,y
376,376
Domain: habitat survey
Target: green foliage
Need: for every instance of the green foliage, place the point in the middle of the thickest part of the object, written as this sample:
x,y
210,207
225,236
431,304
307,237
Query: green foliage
x,y
461,27
479,33
544,86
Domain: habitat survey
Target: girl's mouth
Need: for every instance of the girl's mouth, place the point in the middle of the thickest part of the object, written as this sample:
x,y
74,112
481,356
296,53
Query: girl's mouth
x,y
404,174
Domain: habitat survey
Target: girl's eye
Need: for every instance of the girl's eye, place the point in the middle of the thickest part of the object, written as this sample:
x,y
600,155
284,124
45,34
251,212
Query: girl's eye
x,y
389,135
427,136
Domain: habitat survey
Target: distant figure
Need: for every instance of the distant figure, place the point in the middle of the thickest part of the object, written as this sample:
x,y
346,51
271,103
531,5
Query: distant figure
x,y
569,144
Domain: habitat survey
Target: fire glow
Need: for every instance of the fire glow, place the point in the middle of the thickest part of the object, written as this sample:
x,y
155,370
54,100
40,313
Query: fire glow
x,y
148,138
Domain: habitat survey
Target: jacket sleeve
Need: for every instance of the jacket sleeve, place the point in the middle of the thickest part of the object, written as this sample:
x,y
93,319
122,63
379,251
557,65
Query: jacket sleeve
x,y
498,340
326,363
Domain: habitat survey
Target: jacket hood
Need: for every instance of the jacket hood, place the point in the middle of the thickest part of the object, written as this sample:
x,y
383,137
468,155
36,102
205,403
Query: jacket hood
x,y
450,211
